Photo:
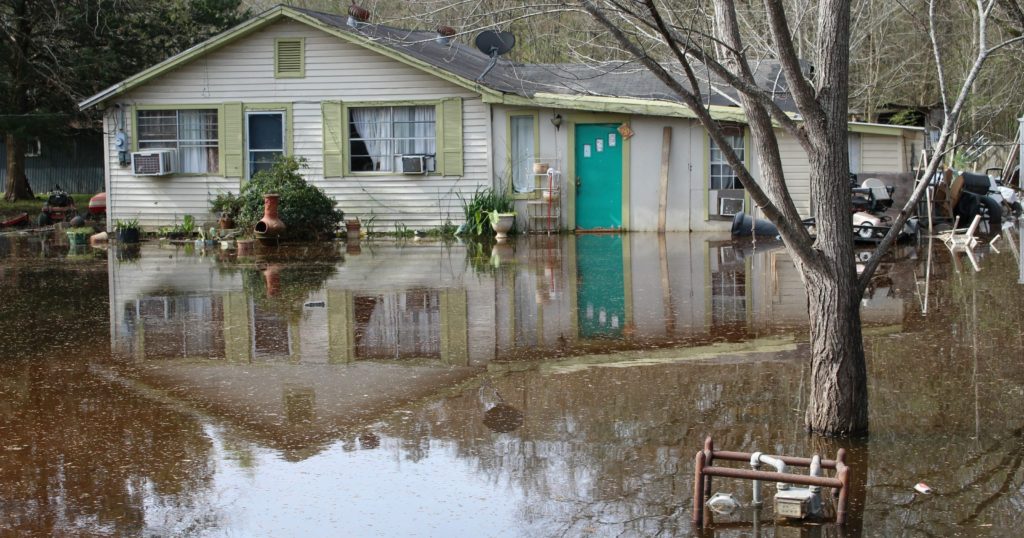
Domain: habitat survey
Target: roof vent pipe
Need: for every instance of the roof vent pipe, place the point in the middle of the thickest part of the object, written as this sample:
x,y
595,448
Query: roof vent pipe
x,y
357,16
444,35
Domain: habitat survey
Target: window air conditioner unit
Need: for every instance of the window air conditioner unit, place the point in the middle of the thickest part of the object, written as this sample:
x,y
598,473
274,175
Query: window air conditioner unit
x,y
157,162
413,164
730,206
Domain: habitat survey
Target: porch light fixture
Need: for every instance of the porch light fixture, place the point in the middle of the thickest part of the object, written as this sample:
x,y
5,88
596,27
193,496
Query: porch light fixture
x,y
556,120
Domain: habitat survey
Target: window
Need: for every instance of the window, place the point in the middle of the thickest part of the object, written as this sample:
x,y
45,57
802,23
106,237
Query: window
x,y
521,152
265,140
379,136
722,175
192,132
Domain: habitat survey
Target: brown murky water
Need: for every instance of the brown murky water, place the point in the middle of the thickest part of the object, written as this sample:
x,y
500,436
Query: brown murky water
x,y
549,387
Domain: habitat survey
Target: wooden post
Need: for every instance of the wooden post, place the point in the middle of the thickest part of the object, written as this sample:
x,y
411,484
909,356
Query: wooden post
x,y
843,474
666,150
698,491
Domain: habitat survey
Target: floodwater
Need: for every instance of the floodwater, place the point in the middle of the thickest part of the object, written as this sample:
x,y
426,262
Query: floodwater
x,y
547,387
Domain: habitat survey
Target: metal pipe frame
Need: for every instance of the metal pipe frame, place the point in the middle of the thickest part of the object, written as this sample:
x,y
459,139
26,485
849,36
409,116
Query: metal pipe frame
x,y
704,469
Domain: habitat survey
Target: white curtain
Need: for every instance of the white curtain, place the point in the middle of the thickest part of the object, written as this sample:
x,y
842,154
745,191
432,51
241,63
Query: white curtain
x,y
191,134
521,158
424,130
374,126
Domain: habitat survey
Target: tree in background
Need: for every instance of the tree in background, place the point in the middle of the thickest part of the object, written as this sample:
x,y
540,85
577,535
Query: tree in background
x,y
56,52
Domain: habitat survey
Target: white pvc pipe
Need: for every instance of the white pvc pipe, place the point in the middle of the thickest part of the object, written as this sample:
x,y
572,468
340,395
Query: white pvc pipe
x,y
756,459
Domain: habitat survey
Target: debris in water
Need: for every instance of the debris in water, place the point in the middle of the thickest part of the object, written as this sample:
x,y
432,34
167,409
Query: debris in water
x,y
921,487
723,503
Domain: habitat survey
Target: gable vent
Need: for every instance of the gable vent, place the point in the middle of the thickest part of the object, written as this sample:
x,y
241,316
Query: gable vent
x,y
288,58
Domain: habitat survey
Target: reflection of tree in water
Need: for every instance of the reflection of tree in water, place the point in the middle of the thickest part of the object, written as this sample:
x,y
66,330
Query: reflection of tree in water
x,y
81,453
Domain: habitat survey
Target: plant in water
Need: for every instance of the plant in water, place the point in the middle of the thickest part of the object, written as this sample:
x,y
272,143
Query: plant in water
x,y
485,201
126,224
188,225
305,209
401,230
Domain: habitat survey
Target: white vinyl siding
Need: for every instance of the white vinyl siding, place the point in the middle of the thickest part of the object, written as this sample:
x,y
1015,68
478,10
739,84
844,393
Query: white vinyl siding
x,y
334,71
881,153
797,170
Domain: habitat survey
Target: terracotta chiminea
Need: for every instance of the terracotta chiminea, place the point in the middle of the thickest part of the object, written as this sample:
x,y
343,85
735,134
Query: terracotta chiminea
x,y
270,225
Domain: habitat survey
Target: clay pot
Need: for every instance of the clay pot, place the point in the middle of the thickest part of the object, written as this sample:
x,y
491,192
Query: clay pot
x,y
226,222
270,225
352,229
244,247
272,278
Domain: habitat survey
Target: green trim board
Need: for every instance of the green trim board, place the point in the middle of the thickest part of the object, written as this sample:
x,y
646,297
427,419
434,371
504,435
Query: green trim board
x,y
289,57
570,177
521,113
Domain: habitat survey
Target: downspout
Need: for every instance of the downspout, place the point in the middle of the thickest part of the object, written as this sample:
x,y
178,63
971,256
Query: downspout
x,y
756,459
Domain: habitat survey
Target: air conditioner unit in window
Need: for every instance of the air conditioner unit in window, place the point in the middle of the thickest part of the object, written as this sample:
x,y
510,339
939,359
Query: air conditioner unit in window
x,y
729,206
157,162
414,164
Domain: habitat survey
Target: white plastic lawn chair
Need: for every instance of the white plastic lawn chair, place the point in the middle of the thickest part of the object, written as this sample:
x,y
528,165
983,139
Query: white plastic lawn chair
x,y
964,239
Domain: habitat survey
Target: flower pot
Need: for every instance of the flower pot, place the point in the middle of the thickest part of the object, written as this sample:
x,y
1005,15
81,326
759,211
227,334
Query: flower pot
x,y
352,229
502,224
128,236
244,247
78,238
540,168
270,225
225,222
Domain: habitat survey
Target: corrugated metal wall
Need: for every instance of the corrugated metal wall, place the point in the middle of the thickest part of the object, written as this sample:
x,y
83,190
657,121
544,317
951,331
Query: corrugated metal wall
x,y
75,163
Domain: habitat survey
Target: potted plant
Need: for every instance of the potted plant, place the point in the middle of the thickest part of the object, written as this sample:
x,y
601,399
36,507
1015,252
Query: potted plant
x,y
226,206
127,231
479,211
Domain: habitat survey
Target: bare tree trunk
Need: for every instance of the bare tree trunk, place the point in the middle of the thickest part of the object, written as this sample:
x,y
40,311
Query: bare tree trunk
x,y
16,187
838,403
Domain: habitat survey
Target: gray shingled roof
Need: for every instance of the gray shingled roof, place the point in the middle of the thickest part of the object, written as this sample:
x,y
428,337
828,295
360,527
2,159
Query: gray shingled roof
x,y
608,79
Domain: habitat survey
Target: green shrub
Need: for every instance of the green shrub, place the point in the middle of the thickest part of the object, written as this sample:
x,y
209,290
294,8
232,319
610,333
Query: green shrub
x,y
308,213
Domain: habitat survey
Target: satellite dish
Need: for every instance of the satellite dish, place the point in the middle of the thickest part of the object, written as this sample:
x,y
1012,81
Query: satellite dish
x,y
495,43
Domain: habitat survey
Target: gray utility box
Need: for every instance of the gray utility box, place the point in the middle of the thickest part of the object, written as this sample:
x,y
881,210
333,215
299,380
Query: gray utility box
x,y
797,503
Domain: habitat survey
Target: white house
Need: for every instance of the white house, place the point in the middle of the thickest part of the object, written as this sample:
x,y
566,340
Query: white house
x,y
402,126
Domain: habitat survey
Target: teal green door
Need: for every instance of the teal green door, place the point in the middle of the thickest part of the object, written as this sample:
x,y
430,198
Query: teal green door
x,y
600,285
598,176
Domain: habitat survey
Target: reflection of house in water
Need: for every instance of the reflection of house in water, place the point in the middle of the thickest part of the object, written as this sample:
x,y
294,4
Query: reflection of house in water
x,y
402,322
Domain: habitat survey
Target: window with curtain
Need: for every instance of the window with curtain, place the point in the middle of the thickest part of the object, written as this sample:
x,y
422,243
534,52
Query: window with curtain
x,y
192,132
722,174
522,155
379,136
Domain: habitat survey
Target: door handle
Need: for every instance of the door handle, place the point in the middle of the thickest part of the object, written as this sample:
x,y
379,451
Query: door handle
x,y
579,183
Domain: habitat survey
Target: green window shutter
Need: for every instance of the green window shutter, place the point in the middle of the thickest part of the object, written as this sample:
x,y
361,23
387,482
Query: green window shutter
x,y
334,154
289,58
233,146
451,137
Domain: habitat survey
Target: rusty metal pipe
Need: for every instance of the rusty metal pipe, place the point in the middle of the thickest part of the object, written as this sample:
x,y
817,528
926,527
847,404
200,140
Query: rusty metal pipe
x,y
698,491
709,460
843,475
749,474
